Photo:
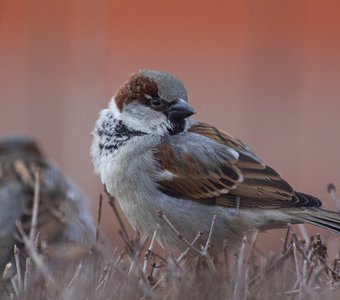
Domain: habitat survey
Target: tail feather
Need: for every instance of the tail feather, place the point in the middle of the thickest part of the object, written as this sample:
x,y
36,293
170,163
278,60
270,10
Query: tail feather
x,y
319,217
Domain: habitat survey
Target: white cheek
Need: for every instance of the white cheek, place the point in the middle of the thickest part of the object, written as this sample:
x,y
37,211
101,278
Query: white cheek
x,y
142,118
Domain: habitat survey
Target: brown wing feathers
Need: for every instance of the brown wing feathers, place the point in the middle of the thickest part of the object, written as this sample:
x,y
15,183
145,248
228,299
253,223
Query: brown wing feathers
x,y
191,179
244,182
260,181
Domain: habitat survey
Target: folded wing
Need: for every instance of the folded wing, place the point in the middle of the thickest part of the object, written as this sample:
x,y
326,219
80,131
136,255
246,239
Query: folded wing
x,y
212,167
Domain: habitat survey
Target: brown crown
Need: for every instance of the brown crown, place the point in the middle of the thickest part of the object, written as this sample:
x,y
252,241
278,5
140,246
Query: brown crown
x,y
135,89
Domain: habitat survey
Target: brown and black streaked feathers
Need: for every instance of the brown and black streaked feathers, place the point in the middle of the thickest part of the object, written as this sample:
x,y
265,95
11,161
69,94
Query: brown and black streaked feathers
x,y
62,217
20,159
195,176
228,176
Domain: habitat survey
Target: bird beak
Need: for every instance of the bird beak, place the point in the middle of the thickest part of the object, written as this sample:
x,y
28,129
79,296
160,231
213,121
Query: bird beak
x,y
180,110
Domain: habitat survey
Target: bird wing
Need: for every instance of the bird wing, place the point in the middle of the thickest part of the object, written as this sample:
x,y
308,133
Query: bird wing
x,y
212,167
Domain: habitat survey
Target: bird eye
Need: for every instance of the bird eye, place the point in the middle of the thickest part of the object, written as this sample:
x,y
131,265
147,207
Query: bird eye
x,y
157,103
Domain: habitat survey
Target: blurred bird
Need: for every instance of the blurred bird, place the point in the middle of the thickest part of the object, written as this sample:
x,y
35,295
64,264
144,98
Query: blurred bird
x,y
62,218
152,156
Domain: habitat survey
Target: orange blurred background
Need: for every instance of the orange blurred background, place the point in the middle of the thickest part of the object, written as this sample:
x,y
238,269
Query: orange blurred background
x,y
266,71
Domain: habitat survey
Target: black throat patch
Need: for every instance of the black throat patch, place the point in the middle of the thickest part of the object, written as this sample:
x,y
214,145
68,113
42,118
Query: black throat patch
x,y
113,134
177,127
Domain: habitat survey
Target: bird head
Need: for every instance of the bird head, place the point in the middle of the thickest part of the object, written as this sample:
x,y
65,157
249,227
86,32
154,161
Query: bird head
x,y
153,102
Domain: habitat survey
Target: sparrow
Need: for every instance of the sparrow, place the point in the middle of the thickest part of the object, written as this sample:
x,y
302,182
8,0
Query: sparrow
x,y
153,156
62,219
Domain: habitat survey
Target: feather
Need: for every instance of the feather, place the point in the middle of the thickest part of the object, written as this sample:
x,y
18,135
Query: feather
x,y
214,167
62,216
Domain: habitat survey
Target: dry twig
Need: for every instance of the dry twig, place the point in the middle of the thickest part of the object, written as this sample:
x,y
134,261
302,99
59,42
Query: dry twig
x,y
34,219
99,216
332,191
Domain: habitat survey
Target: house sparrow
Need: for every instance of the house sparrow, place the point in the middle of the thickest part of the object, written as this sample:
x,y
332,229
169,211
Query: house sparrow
x,y
62,216
152,156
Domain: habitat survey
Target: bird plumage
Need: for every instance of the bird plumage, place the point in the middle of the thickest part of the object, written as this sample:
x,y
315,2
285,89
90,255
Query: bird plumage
x,y
190,170
63,218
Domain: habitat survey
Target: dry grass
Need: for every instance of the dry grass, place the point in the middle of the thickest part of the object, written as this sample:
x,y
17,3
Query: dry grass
x,y
302,270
